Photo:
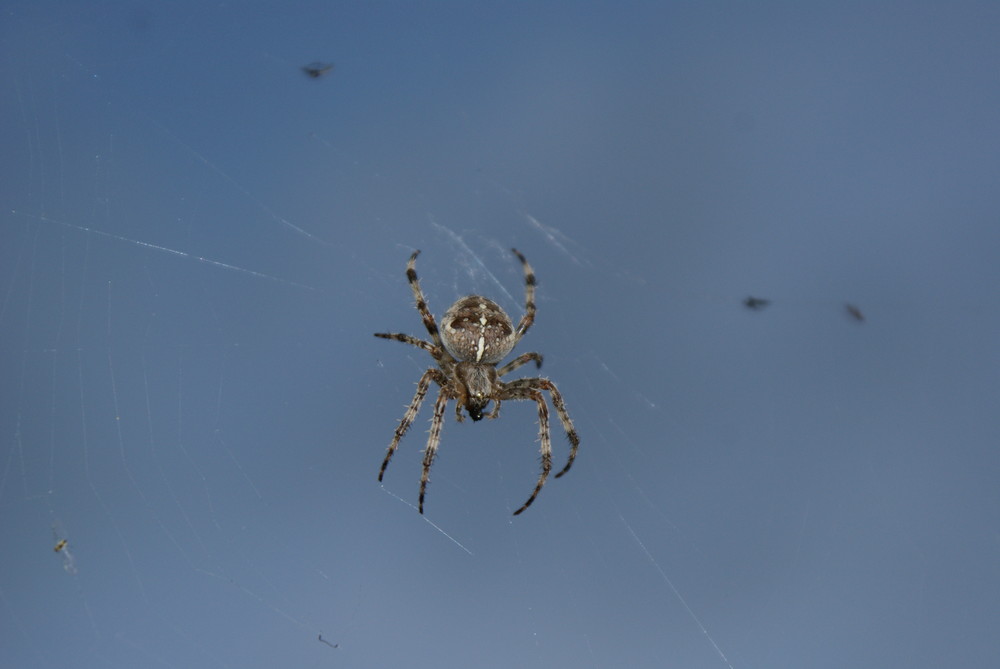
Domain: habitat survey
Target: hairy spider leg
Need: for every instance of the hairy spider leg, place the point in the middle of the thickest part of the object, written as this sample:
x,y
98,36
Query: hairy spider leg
x,y
418,296
529,298
432,444
543,437
522,359
411,413
560,406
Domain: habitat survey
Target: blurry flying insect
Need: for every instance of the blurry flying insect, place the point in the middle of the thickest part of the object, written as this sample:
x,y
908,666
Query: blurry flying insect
x,y
61,545
755,303
855,313
317,69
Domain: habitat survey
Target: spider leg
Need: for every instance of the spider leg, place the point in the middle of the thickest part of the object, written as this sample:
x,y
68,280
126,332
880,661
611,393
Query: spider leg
x,y
567,423
411,412
529,298
557,401
437,420
522,359
543,435
413,341
418,295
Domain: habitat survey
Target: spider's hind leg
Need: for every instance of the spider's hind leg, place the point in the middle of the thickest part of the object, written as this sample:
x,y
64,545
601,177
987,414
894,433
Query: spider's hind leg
x,y
520,360
529,297
418,296
413,341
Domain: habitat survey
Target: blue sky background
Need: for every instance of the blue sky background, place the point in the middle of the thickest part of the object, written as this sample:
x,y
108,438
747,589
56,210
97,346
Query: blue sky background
x,y
197,243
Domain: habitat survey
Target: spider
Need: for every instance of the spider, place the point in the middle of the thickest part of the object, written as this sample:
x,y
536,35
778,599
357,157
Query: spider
x,y
475,336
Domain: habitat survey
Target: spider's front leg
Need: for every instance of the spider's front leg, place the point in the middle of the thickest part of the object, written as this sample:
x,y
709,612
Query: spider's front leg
x,y
543,434
411,412
520,387
432,443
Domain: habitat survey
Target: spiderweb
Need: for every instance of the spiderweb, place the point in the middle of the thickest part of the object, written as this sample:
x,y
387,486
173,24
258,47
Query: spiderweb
x,y
198,241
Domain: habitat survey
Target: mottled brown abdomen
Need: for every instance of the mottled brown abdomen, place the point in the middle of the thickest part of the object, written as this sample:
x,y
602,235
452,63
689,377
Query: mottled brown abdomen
x,y
476,329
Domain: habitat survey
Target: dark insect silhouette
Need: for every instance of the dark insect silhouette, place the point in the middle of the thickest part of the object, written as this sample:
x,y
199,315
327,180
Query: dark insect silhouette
x,y
855,313
317,69
756,303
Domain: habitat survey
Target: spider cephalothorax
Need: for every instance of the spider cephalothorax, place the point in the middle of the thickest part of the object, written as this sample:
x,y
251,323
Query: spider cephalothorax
x,y
475,336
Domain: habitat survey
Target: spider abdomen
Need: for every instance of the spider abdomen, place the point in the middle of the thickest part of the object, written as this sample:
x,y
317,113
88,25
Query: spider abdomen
x,y
476,329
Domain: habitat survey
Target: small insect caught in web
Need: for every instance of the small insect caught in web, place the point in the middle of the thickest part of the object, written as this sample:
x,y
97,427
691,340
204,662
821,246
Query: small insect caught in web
x,y
62,547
